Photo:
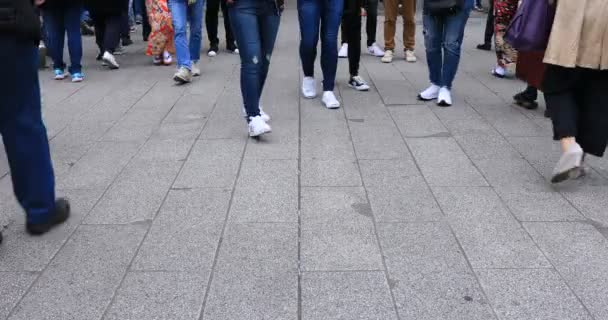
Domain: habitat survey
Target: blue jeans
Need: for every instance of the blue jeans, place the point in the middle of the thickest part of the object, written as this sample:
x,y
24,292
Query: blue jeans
x,y
23,131
327,14
182,13
443,38
84,16
255,24
58,22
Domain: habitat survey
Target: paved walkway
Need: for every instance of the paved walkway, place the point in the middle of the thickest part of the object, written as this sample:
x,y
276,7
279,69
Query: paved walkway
x,y
385,209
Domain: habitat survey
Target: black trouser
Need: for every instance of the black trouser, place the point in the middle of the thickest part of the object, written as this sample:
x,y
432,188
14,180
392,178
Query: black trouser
x,y
351,33
371,23
576,99
489,24
107,30
125,29
211,22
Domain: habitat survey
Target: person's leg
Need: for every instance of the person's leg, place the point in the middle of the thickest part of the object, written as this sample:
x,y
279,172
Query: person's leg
x,y
24,133
99,21
195,13
54,24
269,27
504,10
352,25
409,24
211,22
230,43
309,14
131,13
179,11
330,23
592,132
391,9
72,24
489,32
372,21
113,31
452,40
145,22
433,36
244,21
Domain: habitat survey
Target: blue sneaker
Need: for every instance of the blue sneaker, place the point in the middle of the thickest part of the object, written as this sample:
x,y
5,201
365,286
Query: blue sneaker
x,y
77,77
59,74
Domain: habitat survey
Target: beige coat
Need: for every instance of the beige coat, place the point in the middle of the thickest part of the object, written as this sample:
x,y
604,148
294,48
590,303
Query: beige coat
x,y
580,35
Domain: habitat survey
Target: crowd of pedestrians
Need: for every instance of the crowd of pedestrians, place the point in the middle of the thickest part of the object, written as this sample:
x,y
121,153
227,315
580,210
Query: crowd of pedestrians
x,y
572,72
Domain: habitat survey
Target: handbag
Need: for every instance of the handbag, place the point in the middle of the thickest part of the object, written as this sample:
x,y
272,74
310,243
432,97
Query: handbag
x,y
531,26
443,7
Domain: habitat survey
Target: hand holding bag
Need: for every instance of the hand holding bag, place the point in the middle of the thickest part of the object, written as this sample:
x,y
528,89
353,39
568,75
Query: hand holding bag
x,y
443,7
530,28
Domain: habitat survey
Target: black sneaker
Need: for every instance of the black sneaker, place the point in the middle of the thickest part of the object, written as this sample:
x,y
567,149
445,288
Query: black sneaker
x,y
526,99
232,48
60,215
358,83
126,41
485,46
213,50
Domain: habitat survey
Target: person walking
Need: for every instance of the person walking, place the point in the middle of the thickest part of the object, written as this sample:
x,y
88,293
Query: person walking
x,y
351,28
212,21
107,15
23,132
575,83
504,11
391,10
443,40
63,17
489,31
160,40
322,16
255,24
371,24
188,51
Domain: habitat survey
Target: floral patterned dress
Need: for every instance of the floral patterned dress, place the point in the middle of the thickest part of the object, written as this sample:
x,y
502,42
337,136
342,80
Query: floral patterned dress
x,y
504,11
161,37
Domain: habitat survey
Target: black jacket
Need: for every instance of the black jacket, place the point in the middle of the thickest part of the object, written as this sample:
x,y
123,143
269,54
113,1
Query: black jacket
x,y
18,18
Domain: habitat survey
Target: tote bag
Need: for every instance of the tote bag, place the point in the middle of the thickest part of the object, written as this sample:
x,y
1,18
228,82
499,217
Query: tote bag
x,y
530,28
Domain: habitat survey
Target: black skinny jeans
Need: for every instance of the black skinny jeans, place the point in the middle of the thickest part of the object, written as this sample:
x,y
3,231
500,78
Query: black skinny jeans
x,y
370,25
107,31
576,99
351,33
489,24
211,22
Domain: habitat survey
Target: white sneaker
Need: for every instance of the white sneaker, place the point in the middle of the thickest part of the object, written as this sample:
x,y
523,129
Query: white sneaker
x,y
212,53
343,53
167,58
445,97
431,93
358,83
110,60
410,56
264,115
258,127
309,87
375,51
196,71
388,56
330,101
236,51
568,166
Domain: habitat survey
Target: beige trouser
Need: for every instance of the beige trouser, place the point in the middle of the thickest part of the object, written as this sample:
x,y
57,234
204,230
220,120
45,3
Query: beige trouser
x,y
391,10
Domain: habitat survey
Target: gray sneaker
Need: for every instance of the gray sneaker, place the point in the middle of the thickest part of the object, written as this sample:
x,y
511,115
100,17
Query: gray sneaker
x,y
183,75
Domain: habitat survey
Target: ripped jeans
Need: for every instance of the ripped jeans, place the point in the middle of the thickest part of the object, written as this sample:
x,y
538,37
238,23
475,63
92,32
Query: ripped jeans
x,y
443,38
255,24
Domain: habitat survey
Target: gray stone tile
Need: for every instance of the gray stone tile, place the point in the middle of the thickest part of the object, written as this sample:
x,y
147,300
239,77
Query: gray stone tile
x,y
321,206
418,121
22,252
379,139
510,173
537,204
197,199
269,174
489,235
212,163
579,253
178,131
487,146
164,150
346,295
591,201
191,107
99,167
530,294
397,92
136,194
281,144
413,203
429,275
517,125
443,163
88,268
159,295
335,173
326,141
390,173
474,126
185,239
340,247
13,286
